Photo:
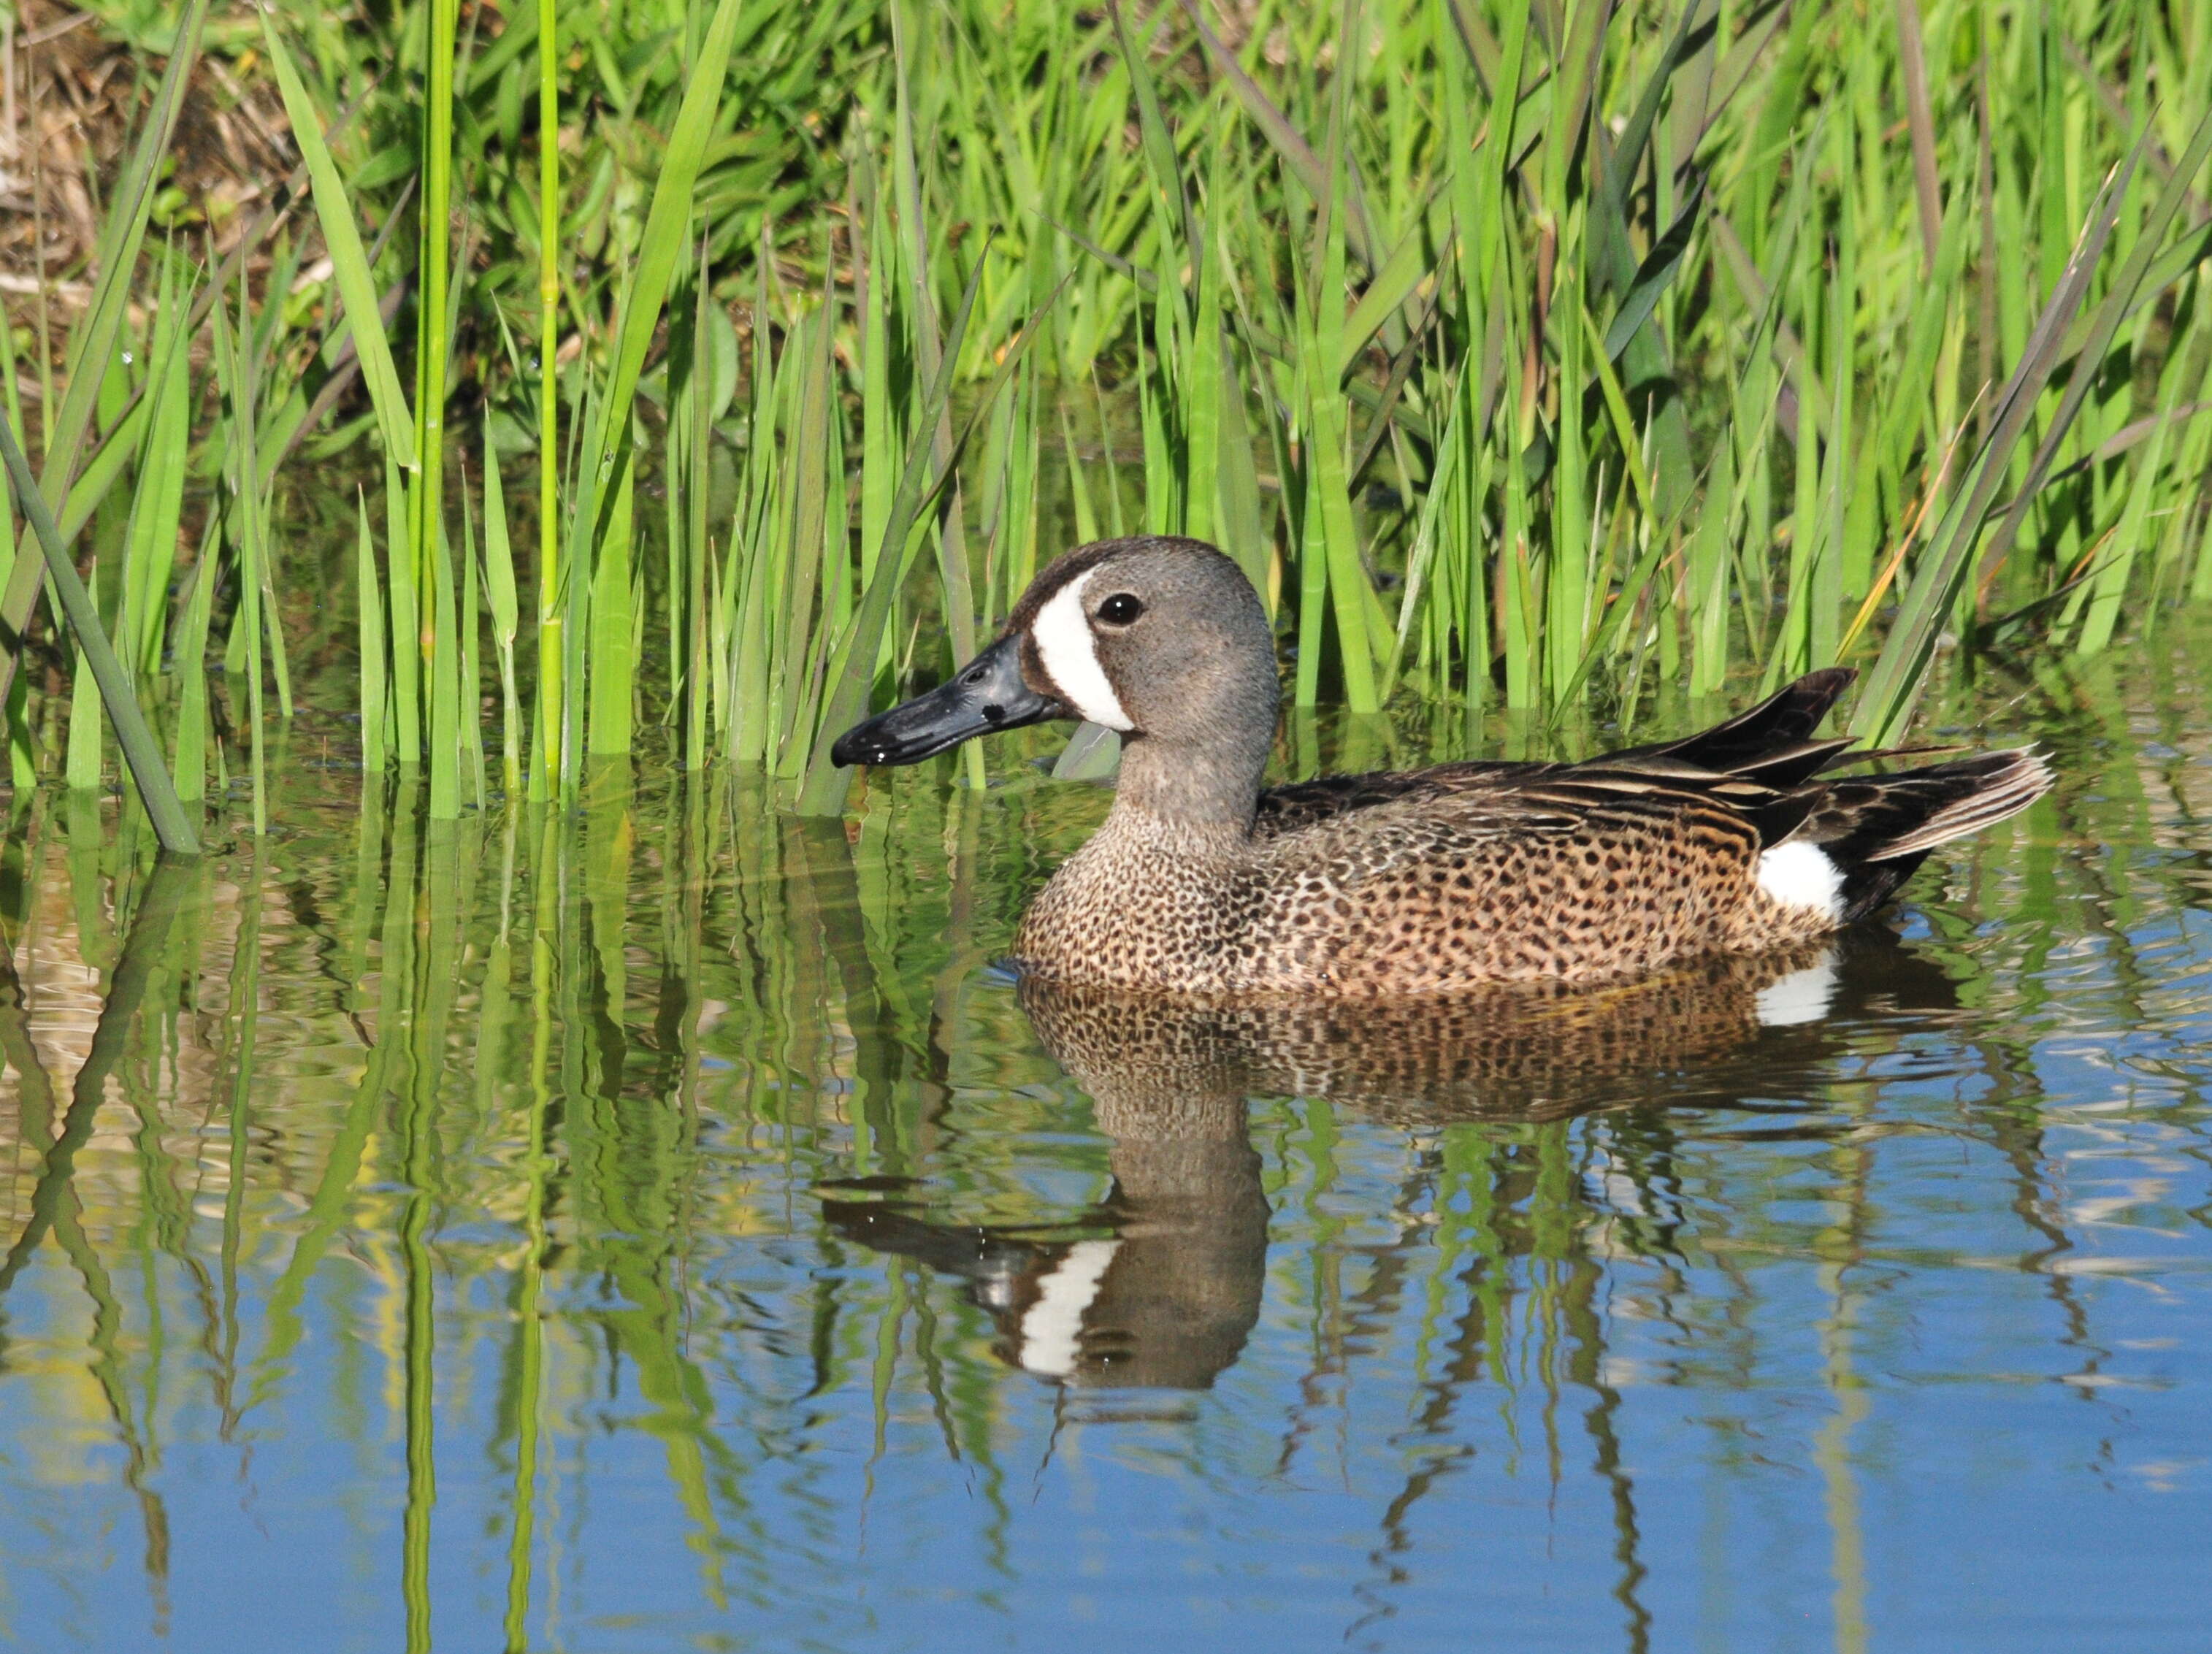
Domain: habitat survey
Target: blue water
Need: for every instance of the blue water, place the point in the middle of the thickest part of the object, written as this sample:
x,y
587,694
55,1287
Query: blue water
x,y
667,1230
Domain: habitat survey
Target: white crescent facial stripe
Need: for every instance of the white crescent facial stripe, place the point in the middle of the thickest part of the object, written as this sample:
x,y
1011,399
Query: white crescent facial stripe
x,y
1801,875
1062,631
1052,1330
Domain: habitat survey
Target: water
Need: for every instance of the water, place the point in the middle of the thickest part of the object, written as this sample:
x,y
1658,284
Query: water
x,y
667,1230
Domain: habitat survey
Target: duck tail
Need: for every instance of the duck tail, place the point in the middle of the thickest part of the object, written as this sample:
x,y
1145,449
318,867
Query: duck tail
x,y
1781,724
1877,829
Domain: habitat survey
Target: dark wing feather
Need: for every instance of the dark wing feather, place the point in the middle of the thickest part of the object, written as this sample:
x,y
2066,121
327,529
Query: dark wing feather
x,y
1752,763
1304,804
1785,720
1878,828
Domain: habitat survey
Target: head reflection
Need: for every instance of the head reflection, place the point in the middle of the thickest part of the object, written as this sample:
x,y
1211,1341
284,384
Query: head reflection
x,y
1159,1286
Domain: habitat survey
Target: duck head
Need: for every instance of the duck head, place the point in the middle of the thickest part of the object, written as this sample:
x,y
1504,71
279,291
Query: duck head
x,y
1162,640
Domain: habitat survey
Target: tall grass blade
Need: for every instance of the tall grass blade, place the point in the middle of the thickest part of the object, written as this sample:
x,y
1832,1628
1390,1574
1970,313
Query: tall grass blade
x,y
1893,685
155,789
129,211
350,262
552,715
852,666
607,429
369,600
506,615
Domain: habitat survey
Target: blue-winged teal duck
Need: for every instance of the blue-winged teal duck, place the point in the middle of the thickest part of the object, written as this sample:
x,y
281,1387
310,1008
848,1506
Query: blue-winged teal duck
x,y
1434,880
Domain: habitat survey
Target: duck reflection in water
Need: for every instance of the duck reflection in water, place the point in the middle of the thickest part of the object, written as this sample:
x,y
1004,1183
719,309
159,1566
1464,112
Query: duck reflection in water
x,y
1166,1296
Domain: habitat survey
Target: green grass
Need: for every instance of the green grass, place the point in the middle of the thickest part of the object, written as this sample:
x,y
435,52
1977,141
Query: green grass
x,y
1537,355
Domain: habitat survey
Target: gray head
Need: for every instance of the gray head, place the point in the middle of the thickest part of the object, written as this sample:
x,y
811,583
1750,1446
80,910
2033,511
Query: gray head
x,y
1163,640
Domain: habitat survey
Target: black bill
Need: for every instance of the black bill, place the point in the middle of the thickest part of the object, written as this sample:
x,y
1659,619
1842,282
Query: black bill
x,y
988,693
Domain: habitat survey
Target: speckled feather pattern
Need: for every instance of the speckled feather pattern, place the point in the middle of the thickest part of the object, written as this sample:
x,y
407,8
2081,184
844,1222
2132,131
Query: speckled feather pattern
x,y
1441,890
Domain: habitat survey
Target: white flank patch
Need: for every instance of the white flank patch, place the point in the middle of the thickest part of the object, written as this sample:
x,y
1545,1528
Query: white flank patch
x,y
1801,875
1062,631
1800,997
1052,1329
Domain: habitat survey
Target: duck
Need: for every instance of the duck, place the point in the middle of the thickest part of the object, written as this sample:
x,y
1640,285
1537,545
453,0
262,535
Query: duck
x,y
1203,880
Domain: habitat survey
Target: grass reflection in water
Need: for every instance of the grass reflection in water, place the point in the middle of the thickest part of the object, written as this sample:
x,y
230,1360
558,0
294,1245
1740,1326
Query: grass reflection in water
x,y
661,1225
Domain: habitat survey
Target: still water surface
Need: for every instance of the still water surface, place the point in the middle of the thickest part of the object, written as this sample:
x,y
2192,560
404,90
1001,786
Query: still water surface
x,y
666,1228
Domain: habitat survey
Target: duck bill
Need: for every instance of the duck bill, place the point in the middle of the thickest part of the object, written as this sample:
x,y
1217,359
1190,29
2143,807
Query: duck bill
x,y
987,694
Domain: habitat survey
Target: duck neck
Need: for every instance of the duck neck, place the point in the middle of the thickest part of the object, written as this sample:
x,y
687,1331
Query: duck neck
x,y
1201,796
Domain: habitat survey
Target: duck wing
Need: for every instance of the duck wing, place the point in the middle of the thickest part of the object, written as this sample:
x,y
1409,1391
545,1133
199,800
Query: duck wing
x,y
1768,747
1775,731
1299,805
1578,873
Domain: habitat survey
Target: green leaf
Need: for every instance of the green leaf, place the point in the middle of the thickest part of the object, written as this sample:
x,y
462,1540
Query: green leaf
x,y
1653,275
350,264
1401,273
1893,686
117,259
853,669
369,593
155,788
661,246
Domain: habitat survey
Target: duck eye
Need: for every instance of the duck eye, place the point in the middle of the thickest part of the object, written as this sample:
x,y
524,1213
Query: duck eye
x,y
1120,608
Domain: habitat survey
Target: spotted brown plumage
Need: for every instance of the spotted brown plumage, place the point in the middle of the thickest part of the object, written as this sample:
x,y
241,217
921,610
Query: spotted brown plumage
x,y
1735,840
